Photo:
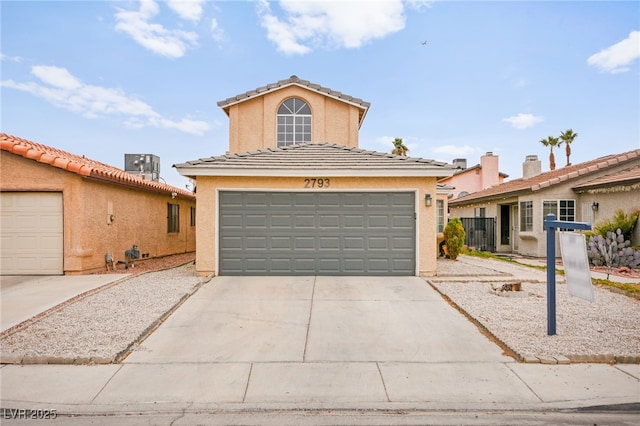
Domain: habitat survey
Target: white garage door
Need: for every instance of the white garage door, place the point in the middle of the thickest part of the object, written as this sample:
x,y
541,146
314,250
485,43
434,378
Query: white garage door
x,y
31,233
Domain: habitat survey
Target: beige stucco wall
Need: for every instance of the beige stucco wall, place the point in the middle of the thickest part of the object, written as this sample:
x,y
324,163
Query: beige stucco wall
x,y
252,123
533,243
140,216
206,262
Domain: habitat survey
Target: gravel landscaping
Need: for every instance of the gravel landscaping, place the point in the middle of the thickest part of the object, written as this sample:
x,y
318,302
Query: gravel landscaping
x,y
607,330
103,326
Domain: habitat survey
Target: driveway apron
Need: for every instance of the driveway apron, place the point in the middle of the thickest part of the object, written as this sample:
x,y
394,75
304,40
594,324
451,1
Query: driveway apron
x,y
316,319
312,339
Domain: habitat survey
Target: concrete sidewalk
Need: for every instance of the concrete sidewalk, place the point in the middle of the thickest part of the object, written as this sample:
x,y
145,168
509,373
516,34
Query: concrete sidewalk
x,y
24,297
262,345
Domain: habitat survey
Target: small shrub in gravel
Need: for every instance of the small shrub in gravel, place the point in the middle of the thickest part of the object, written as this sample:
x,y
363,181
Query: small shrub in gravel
x,y
454,235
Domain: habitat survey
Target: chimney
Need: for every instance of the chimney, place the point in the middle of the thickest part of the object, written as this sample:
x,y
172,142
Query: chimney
x,y
531,167
489,170
460,162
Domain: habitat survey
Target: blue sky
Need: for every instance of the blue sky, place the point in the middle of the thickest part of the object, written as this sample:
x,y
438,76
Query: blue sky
x,y
105,78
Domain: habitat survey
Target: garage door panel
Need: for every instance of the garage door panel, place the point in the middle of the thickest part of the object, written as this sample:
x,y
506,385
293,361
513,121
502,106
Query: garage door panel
x,y
305,221
281,220
329,243
305,243
232,221
329,222
318,233
31,231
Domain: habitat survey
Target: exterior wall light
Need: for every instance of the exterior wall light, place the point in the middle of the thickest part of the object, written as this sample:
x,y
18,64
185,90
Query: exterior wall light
x,y
428,200
594,206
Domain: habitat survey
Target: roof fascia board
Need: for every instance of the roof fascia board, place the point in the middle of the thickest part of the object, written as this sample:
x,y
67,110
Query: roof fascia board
x,y
275,89
198,171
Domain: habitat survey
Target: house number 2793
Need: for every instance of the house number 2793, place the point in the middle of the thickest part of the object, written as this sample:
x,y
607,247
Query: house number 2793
x,y
317,183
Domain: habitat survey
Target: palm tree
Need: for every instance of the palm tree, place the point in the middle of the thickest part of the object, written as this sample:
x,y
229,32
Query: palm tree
x,y
399,148
567,138
551,142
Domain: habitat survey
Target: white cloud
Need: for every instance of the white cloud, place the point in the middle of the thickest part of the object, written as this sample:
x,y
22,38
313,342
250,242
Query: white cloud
x,y
216,32
615,59
456,150
64,90
187,9
523,121
332,24
155,37
10,58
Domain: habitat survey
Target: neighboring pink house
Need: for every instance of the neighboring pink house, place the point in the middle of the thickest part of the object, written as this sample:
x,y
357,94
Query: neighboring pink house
x,y
476,178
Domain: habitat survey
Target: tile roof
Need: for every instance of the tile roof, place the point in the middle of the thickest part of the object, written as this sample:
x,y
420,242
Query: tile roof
x,y
309,159
81,165
623,177
295,80
547,179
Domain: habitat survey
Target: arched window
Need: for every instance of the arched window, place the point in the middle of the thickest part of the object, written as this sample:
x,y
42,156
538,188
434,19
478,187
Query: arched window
x,y
294,122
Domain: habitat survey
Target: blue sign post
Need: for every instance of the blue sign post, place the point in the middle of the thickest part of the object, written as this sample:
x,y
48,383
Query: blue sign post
x,y
551,224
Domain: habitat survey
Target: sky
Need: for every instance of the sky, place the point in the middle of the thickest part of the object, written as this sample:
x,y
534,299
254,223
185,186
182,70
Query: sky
x,y
453,79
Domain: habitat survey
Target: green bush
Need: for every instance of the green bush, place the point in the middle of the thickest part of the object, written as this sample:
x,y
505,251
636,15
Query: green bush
x,y
454,235
621,220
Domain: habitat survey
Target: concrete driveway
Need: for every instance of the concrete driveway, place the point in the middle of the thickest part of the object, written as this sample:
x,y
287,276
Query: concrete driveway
x,y
321,343
316,319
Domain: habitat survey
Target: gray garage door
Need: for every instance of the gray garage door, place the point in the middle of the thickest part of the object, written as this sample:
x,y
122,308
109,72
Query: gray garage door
x,y
329,233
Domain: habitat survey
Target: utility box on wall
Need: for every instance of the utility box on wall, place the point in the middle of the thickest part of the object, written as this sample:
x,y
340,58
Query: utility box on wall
x,y
145,165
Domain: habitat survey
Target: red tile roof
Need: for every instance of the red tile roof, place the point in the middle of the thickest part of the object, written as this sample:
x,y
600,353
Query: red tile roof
x,y
547,179
82,166
624,177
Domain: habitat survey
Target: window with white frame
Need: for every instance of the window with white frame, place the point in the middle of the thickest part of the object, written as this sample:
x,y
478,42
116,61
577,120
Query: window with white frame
x,y
440,215
563,209
294,122
526,216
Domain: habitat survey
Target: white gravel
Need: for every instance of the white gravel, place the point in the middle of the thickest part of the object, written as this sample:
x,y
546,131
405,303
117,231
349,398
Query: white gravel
x,y
609,326
102,325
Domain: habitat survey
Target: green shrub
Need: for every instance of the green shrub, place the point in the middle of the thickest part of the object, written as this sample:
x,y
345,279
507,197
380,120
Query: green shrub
x,y
454,235
621,220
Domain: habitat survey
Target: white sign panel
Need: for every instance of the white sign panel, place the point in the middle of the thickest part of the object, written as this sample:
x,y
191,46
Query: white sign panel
x,y
576,265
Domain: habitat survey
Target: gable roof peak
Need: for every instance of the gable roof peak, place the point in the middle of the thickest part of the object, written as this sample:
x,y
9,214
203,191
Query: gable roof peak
x,y
293,80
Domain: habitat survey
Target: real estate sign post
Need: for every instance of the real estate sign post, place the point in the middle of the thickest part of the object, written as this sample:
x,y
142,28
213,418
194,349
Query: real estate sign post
x,y
550,225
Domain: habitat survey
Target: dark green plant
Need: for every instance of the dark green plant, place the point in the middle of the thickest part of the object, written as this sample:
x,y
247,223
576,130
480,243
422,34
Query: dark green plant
x,y
621,220
454,235
399,148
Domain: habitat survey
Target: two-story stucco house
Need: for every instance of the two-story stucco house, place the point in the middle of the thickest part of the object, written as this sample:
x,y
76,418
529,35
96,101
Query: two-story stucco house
x,y
296,196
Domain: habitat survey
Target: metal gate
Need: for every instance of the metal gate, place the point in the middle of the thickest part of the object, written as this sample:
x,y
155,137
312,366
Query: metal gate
x,y
481,233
